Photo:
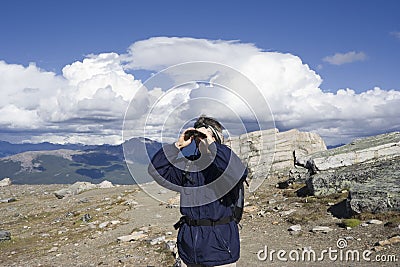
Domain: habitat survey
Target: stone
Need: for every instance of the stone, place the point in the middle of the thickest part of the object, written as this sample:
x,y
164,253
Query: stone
x,y
145,229
368,169
378,248
257,148
92,225
391,241
5,235
394,240
104,224
53,249
250,209
323,229
170,245
105,184
74,189
295,228
359,151
383,243
131,202
5,182
382,194
173,202
286,212
86,218
132,237
157,240
261,213
83,200
374,221
8,200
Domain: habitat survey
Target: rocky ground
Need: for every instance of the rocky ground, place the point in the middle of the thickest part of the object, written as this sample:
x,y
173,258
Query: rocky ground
x,y
83,230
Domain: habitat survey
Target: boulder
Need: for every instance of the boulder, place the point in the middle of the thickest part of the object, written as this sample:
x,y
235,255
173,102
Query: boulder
x,y
379,191
271,151
369,168
384,146
74,189
105,184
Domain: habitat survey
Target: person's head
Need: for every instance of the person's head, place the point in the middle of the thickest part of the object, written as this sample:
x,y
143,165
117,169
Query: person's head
x,y
212,125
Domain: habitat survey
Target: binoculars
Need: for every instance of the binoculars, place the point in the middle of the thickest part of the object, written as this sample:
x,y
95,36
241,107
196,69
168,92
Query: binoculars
x,y
195,134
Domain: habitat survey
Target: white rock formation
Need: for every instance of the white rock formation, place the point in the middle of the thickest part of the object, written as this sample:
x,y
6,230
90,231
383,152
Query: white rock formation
x,y
271,151
5,182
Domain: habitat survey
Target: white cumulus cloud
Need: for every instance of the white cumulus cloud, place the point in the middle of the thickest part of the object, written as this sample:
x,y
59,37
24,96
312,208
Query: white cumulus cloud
x,y
155,53
87,102
291,88
344,58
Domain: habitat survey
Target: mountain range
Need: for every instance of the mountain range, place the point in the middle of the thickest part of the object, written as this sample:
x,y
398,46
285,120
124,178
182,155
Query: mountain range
x,y
47,163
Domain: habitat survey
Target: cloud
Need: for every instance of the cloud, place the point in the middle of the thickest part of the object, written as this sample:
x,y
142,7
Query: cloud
x,y
87,102
155,53
291,88
349,57
396,34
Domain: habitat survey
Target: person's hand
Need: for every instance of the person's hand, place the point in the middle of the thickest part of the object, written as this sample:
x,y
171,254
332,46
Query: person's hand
x,y
204,143
181,143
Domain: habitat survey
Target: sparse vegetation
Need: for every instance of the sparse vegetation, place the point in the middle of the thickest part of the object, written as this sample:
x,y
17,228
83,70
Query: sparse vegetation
x,y
350,223
52,222
391,217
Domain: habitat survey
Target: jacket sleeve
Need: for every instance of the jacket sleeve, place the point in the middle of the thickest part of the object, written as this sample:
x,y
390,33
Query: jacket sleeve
x,y
162,169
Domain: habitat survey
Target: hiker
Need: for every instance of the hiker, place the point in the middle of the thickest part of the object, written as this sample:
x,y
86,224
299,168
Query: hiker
x,y
209,183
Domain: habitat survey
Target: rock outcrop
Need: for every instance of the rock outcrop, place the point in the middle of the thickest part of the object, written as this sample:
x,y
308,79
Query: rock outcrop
x,y
272,152
80,187
380,192
384,146
369,168
5,182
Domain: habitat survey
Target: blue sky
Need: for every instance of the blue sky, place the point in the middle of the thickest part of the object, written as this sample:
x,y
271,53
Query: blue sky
x,y
348,44
56,33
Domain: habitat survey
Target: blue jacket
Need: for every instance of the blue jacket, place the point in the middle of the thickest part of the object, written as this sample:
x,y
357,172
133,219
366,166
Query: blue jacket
x,y
208,245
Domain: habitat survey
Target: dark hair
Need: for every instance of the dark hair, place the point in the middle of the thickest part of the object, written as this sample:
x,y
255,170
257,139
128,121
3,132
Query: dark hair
x,y
203,120
208,122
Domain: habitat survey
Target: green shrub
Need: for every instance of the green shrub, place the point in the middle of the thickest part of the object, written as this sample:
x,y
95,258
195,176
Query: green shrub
x,y
351,222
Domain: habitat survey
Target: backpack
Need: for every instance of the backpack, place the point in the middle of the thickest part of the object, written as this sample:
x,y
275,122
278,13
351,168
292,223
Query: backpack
x,y
238,204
